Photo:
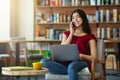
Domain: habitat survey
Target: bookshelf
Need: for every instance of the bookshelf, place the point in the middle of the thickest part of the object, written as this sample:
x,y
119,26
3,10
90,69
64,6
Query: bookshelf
x,y
52,17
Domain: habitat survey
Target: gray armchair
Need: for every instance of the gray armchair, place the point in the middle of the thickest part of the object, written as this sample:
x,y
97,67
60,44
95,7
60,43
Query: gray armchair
x,y
4,53
97,68
12,49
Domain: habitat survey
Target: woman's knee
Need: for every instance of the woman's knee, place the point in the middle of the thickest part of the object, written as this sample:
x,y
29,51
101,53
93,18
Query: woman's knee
x,y
44,60
76,66
72,67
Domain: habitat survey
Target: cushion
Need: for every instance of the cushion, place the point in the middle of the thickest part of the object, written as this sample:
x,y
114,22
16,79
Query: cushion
x,y
84,75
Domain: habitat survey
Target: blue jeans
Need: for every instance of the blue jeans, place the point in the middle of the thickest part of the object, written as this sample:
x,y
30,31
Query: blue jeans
x,y
57,68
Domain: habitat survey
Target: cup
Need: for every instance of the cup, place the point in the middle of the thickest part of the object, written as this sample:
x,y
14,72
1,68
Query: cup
x,y
37,65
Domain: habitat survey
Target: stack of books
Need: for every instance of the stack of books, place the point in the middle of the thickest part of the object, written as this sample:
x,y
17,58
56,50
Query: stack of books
x,y
16,68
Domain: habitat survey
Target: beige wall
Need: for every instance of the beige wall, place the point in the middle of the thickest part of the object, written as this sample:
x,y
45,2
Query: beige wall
x,y
4,19
22,13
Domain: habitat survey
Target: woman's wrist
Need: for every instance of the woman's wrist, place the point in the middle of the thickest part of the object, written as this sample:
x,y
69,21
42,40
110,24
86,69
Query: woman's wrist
x,y
71,33
81,56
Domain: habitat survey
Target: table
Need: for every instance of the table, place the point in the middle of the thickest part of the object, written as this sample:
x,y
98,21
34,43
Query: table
x,y
28,73
17,44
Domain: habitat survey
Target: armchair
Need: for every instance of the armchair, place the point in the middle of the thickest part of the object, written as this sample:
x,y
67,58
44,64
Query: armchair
x,y
12,49
98,71
24,52
4,54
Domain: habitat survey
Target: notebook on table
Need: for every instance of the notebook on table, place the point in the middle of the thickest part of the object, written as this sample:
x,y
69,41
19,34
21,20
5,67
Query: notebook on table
x,y
17,68
67,52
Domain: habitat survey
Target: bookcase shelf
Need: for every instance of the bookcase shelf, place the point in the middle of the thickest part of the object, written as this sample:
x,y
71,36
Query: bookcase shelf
x,y
51,18
96,6
108,6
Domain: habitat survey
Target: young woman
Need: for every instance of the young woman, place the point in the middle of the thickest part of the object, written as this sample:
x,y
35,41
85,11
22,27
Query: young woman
x,y
79,34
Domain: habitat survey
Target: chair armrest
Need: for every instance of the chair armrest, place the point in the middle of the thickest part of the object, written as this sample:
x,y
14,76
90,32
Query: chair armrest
x,y
94,62
98,61
93,66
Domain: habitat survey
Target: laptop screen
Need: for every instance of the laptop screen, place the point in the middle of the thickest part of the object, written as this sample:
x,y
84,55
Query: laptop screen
x,y
67,52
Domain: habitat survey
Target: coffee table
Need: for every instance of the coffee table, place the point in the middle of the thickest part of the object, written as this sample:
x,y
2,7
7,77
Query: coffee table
x,y
28,73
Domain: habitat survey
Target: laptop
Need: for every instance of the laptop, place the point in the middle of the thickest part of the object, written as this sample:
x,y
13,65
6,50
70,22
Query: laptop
x,y
67,52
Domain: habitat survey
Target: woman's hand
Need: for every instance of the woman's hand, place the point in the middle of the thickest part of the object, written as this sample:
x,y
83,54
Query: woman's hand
x,y
72,28
81,56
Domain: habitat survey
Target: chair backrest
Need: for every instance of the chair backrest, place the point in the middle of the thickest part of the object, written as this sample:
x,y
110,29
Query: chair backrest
x,y
4,48
22,45
101,54
4,54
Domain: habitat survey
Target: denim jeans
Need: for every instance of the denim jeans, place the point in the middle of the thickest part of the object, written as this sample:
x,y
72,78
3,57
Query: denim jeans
x,y
57,68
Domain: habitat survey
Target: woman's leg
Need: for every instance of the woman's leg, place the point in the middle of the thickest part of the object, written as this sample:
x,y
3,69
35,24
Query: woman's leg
x,y
54,67
74,68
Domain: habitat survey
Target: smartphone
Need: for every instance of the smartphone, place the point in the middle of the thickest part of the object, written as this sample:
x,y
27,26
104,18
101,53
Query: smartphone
x,y
73,24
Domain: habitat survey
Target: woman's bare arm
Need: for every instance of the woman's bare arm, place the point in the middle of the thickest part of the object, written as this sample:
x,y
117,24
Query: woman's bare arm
x,y
93,51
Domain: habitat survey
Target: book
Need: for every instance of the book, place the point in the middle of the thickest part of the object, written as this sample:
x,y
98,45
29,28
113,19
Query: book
x,y
107,15
115,15
16,68
101,15
98,2
41,2
51,34
112,2
98,32
92,2
60,2
108,33
52,2
103,33
97,16
66,2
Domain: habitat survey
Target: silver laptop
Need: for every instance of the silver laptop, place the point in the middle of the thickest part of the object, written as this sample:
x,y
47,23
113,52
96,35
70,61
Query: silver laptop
x,y
67,52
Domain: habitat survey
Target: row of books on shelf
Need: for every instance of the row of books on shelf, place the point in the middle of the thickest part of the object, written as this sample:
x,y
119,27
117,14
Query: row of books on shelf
x,y
54,34
112,47
57,17
51,34
108,33
112,15
76,2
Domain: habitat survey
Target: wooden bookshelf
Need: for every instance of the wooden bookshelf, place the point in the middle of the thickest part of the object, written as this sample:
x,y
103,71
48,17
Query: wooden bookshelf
x,y
44,10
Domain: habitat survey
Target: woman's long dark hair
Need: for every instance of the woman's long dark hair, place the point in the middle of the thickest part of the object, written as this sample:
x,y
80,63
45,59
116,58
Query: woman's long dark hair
x,y
85,24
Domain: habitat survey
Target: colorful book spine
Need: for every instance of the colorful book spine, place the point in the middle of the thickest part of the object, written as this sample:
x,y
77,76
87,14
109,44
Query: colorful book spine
x,y
55,17
117,2
108,33
98,32
92,2
73,2
97,15
107,16
56,2
66,2
52,2
112,2
77,2
60,2
98,2
114,33
51,34
101,15
102,32
114,15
